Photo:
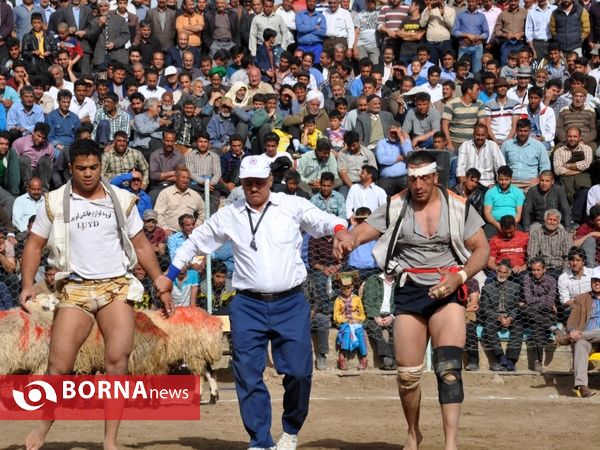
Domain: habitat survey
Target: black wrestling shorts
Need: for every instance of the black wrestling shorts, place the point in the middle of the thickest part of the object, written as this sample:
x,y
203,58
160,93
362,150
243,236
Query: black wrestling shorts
x,y
414,299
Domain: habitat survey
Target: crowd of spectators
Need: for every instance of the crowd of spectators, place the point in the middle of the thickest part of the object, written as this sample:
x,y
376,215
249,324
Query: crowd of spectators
x,y
335,94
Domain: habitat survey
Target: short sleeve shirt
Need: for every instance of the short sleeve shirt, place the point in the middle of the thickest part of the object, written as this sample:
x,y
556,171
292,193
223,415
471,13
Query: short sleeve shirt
x,y
94,238
504,203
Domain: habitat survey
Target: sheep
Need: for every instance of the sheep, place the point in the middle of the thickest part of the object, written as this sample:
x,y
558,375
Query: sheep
x,y
191,335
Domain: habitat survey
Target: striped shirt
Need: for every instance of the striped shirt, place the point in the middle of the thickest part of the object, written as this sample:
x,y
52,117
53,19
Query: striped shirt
x,y
114,164
120,122
500,116
553,248
462,118
562,154
203,165
391,18
594,320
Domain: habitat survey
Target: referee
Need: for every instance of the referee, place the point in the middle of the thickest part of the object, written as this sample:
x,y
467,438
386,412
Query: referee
x,y
266,231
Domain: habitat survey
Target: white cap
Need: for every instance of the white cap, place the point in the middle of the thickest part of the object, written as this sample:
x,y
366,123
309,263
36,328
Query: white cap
x,y
171,70
255,167
596,272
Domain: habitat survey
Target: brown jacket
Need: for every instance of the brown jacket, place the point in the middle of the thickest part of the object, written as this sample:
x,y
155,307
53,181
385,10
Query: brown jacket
x,y
580,312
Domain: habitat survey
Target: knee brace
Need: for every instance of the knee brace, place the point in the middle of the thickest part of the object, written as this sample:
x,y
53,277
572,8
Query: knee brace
x,y
409,378
447,365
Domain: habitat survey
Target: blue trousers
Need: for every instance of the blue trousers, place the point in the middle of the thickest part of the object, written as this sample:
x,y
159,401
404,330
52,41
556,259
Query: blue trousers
x,y
475,52
286,323
316,49
507,47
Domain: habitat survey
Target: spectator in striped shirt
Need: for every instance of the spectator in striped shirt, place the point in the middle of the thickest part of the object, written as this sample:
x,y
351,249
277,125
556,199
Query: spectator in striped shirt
x,y
388,23
462,114
499,113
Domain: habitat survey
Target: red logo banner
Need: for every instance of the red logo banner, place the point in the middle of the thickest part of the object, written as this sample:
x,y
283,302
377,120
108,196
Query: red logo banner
x,y
103,397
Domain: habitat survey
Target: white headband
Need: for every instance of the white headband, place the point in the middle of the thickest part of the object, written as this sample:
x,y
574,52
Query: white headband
x,y
421,171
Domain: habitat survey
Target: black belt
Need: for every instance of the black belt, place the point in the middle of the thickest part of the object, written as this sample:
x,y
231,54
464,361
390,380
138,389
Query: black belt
x,y
270,297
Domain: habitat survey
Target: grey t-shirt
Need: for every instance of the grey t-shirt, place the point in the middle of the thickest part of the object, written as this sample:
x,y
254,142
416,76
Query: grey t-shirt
x,y
415,250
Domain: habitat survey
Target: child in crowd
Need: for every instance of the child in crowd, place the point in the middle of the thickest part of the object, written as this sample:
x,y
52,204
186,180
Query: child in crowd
x,y
446,161
69,43
310,135
335,133
416,70
147,298
348,315
509,71
185,288
38,47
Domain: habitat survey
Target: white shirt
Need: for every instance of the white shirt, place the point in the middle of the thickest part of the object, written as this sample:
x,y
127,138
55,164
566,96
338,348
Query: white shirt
x,y
359,196
487,160
276,265
147,93
289,18
434,92
130,7
387,295
569,286
86,109
514,95
23,208
491,16
593,197
53,91
93,231
291,80
537,24
340,25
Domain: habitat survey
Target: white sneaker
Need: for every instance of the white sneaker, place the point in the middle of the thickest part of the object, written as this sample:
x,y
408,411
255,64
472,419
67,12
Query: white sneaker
x,y
262,448
287,441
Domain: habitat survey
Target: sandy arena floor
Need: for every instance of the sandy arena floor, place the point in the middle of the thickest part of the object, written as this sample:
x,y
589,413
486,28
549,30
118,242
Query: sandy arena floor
x,y
522,411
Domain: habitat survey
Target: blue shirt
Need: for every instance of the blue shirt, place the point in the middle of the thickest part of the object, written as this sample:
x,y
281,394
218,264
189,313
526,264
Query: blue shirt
x,y
19,118
471,23
144,200
526,161
356,87
175,241
10,94
62,128
362,256
484,98
594,320
306,26
387,152
504,203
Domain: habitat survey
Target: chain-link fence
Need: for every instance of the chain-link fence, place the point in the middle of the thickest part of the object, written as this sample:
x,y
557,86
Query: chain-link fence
x,y
513,313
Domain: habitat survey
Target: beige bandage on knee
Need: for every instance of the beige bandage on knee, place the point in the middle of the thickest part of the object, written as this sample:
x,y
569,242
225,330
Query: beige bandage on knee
x,y
409,378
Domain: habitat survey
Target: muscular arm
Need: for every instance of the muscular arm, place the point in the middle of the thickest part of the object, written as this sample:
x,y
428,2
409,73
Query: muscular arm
x,y
345,242
32,255
480,252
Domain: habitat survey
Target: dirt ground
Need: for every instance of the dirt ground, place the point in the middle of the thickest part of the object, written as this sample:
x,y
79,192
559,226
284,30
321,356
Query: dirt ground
x,y
522,411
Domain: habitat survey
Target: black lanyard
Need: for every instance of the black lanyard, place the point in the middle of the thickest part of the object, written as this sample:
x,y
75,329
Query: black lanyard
x,y
254,229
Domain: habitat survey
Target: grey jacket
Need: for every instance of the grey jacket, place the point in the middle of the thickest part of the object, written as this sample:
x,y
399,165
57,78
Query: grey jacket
x,y
363,125
118,34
